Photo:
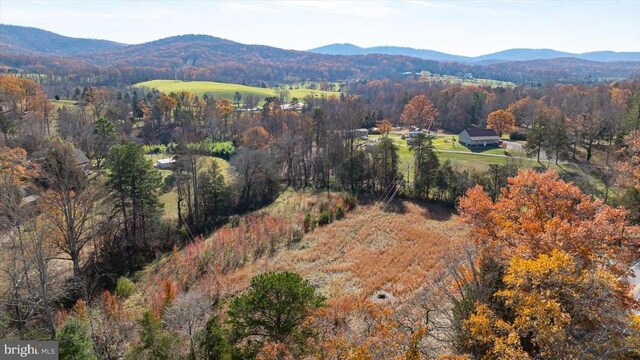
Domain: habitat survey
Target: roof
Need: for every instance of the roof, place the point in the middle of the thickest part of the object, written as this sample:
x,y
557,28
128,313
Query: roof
x,y
80,157
166,161
476,133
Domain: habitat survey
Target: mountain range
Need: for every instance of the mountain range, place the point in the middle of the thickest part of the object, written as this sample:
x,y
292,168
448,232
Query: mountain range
x,y
204,57
505,55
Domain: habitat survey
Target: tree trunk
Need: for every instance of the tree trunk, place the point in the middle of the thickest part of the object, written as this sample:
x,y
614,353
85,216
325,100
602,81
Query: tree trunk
x,y
589,150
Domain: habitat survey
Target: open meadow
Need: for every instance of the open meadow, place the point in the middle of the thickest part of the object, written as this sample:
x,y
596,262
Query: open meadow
x,y
226,90
368,252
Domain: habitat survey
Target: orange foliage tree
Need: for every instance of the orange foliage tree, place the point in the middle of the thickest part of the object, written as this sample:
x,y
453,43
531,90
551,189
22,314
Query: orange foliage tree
x,y
380,335
538,213
166,104
256,137
501,121
384,127
629,167
420,112
566,259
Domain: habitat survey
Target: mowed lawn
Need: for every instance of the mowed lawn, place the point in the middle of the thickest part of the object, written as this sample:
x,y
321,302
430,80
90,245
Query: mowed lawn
x,y
226,90
462,157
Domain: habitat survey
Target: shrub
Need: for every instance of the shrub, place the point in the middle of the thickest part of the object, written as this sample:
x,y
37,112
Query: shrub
x,y
124,287
296,234
169,182
155,149
308,222
324,218
349,202
234,221
339,212
223,149
518,135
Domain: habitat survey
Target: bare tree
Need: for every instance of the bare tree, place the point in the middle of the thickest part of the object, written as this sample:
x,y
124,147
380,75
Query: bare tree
x,y
187,317
69,204
49,278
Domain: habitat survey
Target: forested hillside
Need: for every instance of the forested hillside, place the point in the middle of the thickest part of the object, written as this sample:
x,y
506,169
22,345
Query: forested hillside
x,y
203,57
25,40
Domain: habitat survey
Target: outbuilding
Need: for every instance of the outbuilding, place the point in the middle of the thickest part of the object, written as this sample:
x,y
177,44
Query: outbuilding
x,y
479,137
165,164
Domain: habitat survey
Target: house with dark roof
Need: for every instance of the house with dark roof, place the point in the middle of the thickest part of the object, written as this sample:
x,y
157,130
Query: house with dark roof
x,y
479,137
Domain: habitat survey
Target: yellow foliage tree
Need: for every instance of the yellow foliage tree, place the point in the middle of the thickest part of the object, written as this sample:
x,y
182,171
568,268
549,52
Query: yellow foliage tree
x,y
384,127
564,290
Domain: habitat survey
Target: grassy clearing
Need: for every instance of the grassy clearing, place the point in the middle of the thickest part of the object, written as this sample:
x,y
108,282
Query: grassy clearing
x,y
369,251
226,90
471,159
429,77
476,159
349,260
58,104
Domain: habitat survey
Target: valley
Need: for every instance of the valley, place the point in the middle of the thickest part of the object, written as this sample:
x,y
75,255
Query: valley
x,y
184,181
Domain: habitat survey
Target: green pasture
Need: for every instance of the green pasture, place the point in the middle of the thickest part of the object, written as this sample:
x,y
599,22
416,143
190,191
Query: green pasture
x,y
226,90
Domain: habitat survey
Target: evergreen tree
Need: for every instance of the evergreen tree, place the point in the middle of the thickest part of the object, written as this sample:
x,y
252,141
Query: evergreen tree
x,y
273,309
215,195
557,140
155,342
425,165
385,163
214,341
536,137
75,341
135,183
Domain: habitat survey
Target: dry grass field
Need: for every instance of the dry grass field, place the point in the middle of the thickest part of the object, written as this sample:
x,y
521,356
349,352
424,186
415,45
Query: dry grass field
x,y
350,260
370,251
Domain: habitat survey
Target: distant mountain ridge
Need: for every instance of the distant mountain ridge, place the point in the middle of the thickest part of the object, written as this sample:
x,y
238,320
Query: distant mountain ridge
x,y
205,57
32,40
505,55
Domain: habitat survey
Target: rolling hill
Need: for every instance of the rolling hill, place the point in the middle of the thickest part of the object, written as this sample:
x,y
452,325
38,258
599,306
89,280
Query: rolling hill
x,y
20,39
208,58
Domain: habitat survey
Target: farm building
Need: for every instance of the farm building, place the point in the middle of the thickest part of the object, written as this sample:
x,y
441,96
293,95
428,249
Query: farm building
x,y
165,164
479,137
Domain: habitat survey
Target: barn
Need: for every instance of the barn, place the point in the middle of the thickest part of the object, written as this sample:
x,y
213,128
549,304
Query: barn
x,y
479,137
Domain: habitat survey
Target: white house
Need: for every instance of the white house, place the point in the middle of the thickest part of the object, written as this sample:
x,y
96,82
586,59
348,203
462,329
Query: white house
x,y
165,164
479,137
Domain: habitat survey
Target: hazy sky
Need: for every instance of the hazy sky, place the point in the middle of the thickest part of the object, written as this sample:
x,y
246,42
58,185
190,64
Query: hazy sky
x,y
458,27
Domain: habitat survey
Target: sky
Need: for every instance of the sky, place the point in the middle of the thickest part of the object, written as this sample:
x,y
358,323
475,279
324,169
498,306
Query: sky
x,y
468,28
